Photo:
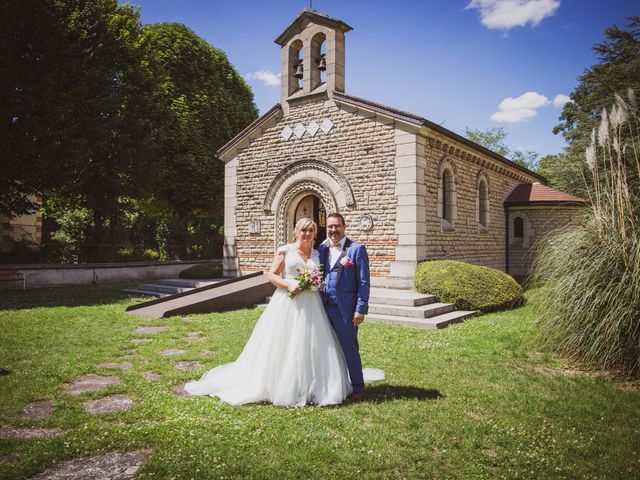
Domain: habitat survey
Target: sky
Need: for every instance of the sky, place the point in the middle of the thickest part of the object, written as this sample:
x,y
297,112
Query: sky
x,y
472,64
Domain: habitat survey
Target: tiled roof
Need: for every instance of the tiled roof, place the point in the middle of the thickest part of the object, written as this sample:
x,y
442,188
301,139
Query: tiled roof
x,y
538,194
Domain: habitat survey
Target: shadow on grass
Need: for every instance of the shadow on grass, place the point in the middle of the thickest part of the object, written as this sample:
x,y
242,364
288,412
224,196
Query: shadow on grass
x,y
385,393
72,296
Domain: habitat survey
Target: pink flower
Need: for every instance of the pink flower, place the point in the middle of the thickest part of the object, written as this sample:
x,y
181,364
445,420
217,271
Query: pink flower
x,y
346,262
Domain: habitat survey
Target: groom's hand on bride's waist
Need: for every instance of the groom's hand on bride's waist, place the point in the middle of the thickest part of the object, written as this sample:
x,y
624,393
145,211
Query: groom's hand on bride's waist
x,y
358,318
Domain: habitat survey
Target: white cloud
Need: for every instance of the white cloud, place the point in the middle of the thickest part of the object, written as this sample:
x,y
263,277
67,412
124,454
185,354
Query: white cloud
x,y
506,14
515,110
267,78
560,100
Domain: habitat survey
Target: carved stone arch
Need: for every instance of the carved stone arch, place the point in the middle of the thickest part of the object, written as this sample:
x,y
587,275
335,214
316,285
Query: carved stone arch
x,y
447,162
315,170
300,178
482,175
295,192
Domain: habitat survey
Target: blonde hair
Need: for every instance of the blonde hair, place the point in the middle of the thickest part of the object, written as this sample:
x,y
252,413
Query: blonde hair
x,y
304,223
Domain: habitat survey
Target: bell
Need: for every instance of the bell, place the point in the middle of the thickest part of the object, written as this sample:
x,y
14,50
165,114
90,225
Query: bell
x,y
322,64
299,72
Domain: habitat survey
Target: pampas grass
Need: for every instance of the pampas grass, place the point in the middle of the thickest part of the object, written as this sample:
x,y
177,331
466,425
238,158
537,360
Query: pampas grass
x,y
589,300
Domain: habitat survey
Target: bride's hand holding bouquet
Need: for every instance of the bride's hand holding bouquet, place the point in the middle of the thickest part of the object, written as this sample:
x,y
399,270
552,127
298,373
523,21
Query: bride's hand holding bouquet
x,y
308,279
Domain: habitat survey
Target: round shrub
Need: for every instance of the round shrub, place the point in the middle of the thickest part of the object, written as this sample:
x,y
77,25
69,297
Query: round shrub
x,y
469,287
202,271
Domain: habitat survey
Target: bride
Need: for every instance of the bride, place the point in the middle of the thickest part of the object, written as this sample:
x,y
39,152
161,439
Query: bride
x,y
293,356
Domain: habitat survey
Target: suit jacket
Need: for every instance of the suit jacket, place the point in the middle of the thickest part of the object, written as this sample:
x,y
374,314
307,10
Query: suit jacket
x,y
353,283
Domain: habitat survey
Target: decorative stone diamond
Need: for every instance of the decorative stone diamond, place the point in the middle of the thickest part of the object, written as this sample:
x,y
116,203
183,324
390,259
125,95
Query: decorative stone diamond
x,y
299,130
326,125
286,132
312,128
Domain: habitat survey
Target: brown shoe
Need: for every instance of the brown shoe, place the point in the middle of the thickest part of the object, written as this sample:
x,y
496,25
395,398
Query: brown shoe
x,y
357,397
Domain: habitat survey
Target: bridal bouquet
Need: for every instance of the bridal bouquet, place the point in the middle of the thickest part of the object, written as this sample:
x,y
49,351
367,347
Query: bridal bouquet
x,y
309,279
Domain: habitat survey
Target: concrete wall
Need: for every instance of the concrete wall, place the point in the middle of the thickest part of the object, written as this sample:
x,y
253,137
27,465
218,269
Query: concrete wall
x,y
58,275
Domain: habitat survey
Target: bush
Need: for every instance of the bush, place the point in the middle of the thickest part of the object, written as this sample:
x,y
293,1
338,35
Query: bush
x,y
469,287
589,301
202,271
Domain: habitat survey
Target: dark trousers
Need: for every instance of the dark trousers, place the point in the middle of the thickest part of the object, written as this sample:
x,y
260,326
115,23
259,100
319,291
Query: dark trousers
x,y
347,334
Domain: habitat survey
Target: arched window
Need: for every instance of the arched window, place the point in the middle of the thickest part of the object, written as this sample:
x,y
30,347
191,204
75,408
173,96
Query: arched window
x,y
447,204
518,228
483,203
446,196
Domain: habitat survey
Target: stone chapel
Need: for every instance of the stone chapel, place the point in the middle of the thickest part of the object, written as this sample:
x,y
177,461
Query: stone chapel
x,y
409,189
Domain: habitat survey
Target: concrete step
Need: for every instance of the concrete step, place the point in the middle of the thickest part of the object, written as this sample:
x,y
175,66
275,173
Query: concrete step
x,y
408,298
437,322
182,283
164,289
423,311
151,293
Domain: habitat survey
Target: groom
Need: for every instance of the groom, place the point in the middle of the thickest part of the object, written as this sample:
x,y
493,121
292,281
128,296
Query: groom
x,y
346,293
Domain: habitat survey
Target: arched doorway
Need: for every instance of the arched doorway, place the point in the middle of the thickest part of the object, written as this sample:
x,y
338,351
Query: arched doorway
x,y
311,206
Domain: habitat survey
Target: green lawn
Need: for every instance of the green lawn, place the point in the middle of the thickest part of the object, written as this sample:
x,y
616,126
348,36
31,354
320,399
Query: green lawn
x,y
472,401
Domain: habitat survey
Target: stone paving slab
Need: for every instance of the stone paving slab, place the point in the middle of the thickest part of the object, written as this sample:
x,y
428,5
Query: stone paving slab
x,y
130,356
152,377
29,432
192,320
110,404
193,339
9,458
172,352
36,410
207,354
115,365
187,365
112,466
194,334
90,383
151,330
181,392
140,340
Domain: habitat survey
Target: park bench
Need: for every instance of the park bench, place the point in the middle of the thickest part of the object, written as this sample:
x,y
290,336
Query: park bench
x,y
13,276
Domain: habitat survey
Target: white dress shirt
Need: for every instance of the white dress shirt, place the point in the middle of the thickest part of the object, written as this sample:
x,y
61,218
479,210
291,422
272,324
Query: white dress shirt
x,y
334,252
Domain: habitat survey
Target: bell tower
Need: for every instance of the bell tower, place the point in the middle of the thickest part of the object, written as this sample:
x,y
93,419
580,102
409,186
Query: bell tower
x,y
313,55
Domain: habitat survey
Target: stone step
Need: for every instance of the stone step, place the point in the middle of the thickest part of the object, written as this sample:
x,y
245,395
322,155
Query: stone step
x,y
165,289
408,298
437,322
183,283
423,311
151,293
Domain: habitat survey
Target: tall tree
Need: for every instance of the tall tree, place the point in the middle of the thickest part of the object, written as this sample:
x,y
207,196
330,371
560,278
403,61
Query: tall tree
x,y
71,86
494,139
203,103
617,71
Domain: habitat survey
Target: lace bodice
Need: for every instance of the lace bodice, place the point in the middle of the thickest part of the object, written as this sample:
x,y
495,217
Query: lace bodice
x,y
293,262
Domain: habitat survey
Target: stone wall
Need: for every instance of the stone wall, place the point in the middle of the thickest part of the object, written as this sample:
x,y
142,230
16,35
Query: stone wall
x,y
538,222
465,239
361,148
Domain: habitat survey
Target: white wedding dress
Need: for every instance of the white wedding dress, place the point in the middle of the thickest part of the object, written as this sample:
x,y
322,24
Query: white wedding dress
x,y
292,357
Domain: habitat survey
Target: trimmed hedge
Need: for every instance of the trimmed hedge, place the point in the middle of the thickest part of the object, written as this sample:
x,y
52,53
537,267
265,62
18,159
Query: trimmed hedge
x,y
202,271
469,287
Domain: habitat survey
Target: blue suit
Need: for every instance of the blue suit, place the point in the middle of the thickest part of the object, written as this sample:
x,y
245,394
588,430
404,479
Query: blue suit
x,y
346,291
